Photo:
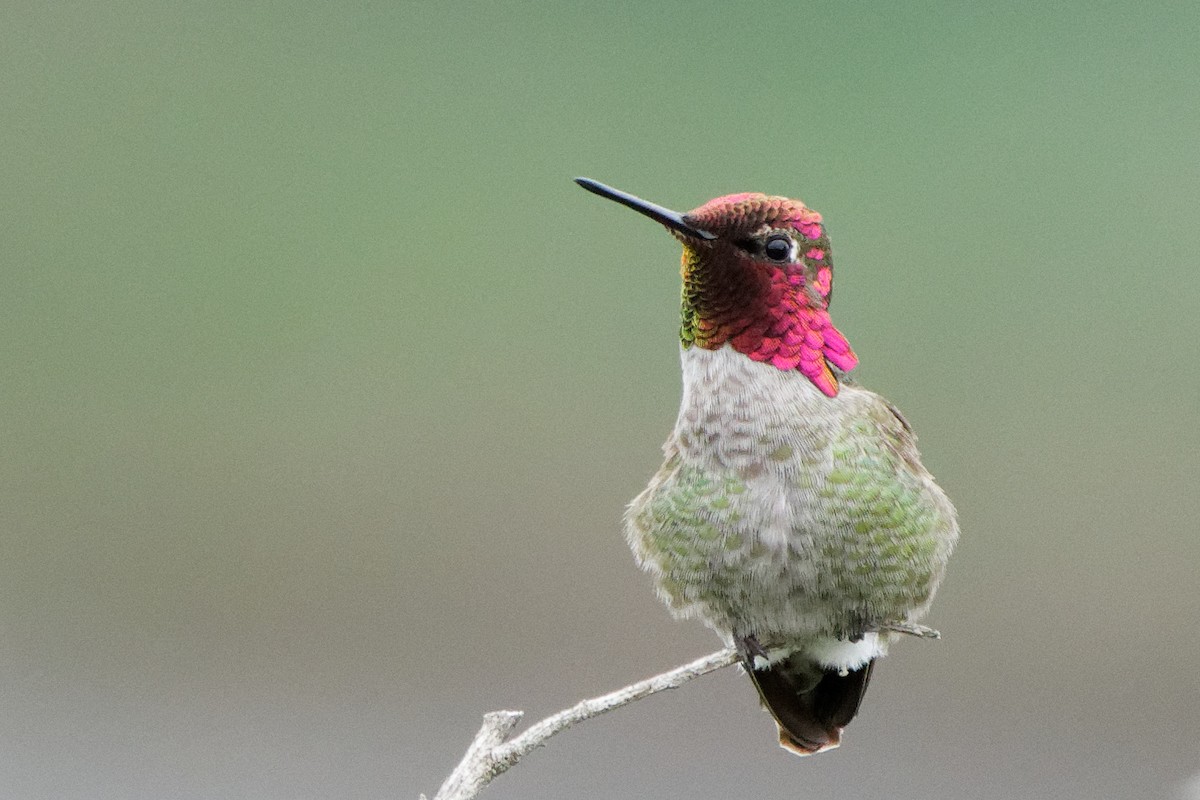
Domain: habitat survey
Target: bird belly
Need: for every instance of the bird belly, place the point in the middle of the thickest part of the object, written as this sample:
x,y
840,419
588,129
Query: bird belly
x,y
789,518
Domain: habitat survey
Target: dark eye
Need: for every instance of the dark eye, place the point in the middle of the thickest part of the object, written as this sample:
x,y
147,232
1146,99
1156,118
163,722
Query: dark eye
x,y
778,248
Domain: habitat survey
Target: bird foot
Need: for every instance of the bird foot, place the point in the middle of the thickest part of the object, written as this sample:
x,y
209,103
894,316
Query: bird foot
x,y
755,655
752,652
911,629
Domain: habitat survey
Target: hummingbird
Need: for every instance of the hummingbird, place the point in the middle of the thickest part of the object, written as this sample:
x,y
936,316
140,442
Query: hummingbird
x,y
791,514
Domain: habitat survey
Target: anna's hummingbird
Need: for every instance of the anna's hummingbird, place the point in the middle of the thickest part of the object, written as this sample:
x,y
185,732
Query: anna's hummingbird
x,y
792,514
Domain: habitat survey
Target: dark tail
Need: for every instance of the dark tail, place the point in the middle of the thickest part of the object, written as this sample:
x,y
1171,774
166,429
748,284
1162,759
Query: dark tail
x,y
810,703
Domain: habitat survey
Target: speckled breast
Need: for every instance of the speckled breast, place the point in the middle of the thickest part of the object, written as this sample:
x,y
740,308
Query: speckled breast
x,y
788,514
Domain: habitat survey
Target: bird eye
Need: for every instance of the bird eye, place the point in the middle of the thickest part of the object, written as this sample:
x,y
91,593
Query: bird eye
x,y
778,248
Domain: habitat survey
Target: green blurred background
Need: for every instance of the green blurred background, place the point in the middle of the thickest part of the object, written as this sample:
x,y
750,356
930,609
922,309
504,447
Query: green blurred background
x,y
323,387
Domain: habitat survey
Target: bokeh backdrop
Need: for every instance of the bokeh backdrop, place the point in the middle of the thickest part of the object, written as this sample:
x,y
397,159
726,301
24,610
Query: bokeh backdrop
x,y
324,387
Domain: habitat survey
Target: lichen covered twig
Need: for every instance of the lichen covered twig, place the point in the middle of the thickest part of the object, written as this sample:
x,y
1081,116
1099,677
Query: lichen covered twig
x,y
491,753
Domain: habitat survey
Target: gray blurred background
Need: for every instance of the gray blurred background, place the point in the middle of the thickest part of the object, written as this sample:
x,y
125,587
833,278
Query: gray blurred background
x,y
323,387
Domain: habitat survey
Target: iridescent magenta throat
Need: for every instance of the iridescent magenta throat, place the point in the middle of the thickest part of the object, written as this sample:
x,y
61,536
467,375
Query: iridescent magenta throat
x,y
766,313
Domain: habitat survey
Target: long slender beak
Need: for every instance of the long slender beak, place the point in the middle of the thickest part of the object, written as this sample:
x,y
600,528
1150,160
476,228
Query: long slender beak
x,y
672,219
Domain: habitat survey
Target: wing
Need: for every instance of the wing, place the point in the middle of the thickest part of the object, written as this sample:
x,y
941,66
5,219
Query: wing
x,y
888,529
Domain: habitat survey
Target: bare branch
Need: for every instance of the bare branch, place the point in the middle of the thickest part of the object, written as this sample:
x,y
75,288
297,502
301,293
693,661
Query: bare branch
x,y
490,755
